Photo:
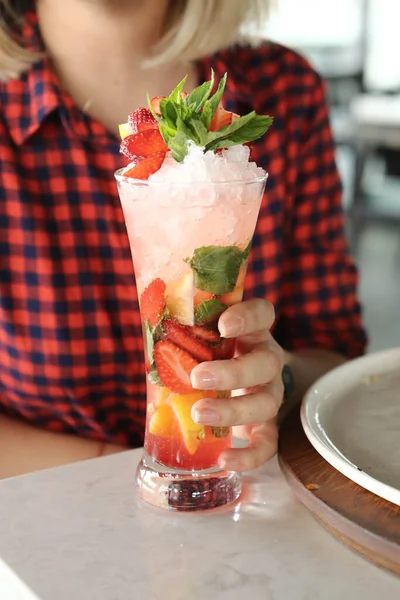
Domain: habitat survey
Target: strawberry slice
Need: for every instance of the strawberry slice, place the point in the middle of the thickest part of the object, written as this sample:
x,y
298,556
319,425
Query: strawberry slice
x,y
174,366
224,350
152,301
181,336
155,104
146,167
221,118
205,334
141,120
143,144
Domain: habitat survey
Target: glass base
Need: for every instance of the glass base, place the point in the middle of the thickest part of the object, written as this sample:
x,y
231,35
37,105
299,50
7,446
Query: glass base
x,y
186,490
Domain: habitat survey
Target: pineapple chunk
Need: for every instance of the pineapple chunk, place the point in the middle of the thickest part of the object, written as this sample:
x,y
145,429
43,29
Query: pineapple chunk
x,y
180,300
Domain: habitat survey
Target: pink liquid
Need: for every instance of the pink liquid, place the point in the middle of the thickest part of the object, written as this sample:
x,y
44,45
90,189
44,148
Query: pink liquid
x,y
167,225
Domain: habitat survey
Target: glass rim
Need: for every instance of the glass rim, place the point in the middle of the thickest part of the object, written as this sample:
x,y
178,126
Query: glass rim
x,y
145,183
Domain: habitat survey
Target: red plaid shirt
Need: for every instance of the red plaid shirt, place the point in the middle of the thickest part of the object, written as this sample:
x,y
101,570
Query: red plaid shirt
x,y
71,352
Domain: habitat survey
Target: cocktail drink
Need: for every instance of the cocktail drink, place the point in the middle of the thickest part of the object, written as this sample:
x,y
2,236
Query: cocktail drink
x,y
190,222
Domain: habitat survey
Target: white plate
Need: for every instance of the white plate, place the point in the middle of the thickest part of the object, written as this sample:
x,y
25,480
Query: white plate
x,y
352,418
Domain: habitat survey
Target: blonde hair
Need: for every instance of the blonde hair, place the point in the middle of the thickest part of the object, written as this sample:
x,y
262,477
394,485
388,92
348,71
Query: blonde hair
x,y
193,29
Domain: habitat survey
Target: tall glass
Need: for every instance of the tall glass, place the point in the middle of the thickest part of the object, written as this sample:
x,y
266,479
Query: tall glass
x,y
190,245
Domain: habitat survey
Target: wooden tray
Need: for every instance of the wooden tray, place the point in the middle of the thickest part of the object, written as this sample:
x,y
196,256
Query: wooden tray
x,y
363,521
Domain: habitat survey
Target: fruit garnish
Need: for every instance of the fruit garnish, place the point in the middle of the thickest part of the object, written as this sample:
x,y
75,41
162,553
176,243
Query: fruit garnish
x,y
236,295
152,301
220,432
141,120
216,268
174,366
192,432
164,423
209,311
172,122
181,336
180,300
201,296
155,102
205,334
225,349
143,144
155,105
124,130
222,118
188,118
162,395
146,167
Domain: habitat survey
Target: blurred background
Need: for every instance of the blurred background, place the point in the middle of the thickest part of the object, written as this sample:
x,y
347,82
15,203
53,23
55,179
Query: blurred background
x,y
355,46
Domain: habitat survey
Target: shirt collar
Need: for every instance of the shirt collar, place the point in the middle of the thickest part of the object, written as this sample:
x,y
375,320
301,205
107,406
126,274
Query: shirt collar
x,y
29,100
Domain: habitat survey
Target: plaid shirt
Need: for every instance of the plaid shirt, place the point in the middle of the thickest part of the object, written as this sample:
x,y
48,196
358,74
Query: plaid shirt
x,y
71,352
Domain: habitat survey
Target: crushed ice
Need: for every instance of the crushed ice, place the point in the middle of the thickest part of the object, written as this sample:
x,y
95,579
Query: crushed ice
x,y
229,165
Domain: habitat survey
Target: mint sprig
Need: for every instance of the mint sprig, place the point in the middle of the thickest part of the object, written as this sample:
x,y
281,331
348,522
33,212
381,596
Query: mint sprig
x,y
188,119
208,311
216,268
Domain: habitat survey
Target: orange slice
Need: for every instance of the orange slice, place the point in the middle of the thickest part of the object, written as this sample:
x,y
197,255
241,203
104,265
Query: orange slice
x,y
163,394
236,295
164,424
232,297
180,300
191,432
157,395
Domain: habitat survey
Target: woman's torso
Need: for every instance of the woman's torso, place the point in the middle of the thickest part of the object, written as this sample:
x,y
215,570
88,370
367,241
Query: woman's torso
x,y
71,355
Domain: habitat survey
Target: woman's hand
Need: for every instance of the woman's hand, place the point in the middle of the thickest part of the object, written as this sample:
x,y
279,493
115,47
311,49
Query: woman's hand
x,y
256,371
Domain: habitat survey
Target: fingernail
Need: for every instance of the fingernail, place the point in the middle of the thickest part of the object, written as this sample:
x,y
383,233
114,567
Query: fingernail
x,y
231,327
203,380
205,416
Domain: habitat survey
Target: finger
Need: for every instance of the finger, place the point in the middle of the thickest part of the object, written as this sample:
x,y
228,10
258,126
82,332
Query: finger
x,y
255,315
261,405
255,368
247,343
263,446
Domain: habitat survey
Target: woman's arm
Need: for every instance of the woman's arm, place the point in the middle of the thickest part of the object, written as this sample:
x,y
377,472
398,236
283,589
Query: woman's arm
x,y
319,307
24,448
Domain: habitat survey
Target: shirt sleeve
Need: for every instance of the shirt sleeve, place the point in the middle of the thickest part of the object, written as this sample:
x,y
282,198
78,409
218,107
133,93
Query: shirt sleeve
x,y
319,305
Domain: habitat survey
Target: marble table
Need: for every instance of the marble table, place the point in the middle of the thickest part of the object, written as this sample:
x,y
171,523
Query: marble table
x,y
81,533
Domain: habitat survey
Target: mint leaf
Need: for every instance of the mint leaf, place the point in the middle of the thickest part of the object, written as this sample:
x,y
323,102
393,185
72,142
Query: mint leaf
x,y
200,131
245,129
168,111
216,268
178,145
154,377
199,95
208,311
229,129
187,119
210,107
149,342
176,94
